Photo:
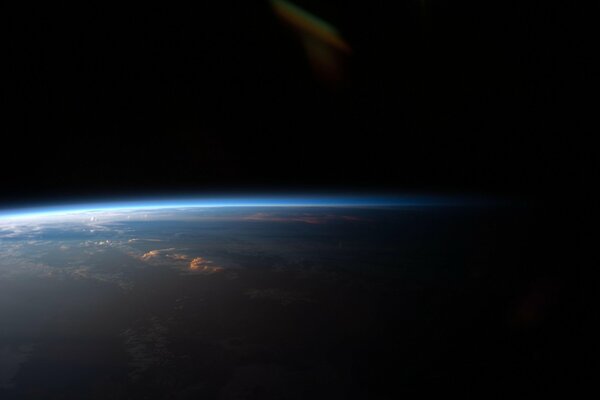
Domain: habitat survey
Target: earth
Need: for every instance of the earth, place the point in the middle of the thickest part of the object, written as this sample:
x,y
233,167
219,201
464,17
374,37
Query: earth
x,y
255,302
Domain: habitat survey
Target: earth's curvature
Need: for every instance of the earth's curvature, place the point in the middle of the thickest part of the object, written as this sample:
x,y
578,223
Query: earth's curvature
x,y
245,302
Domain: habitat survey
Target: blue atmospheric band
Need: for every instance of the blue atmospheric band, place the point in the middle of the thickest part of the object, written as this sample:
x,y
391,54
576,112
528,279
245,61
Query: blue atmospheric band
x,y
242,201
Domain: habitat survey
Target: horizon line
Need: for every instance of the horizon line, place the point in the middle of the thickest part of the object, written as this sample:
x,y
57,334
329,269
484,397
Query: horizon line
x,y
240,201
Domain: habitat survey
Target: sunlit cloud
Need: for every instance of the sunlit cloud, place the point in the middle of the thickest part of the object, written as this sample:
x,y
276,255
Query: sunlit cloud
x,y
152,254
302,218
178,257
204,266
265,217
133,240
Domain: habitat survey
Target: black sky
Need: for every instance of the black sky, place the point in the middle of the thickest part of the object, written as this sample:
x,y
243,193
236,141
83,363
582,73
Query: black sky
x,y
120,99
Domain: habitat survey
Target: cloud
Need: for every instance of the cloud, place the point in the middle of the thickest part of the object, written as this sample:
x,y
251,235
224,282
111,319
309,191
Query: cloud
x,y
117,278
313,219
26,260
133,240
174,258
15,267
178,257
265,217
150,254
203,266
153,254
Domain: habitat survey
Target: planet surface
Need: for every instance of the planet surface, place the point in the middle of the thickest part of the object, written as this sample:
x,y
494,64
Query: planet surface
x,y
253,301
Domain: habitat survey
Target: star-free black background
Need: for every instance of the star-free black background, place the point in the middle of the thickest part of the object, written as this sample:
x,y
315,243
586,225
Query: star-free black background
x,y
116,99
